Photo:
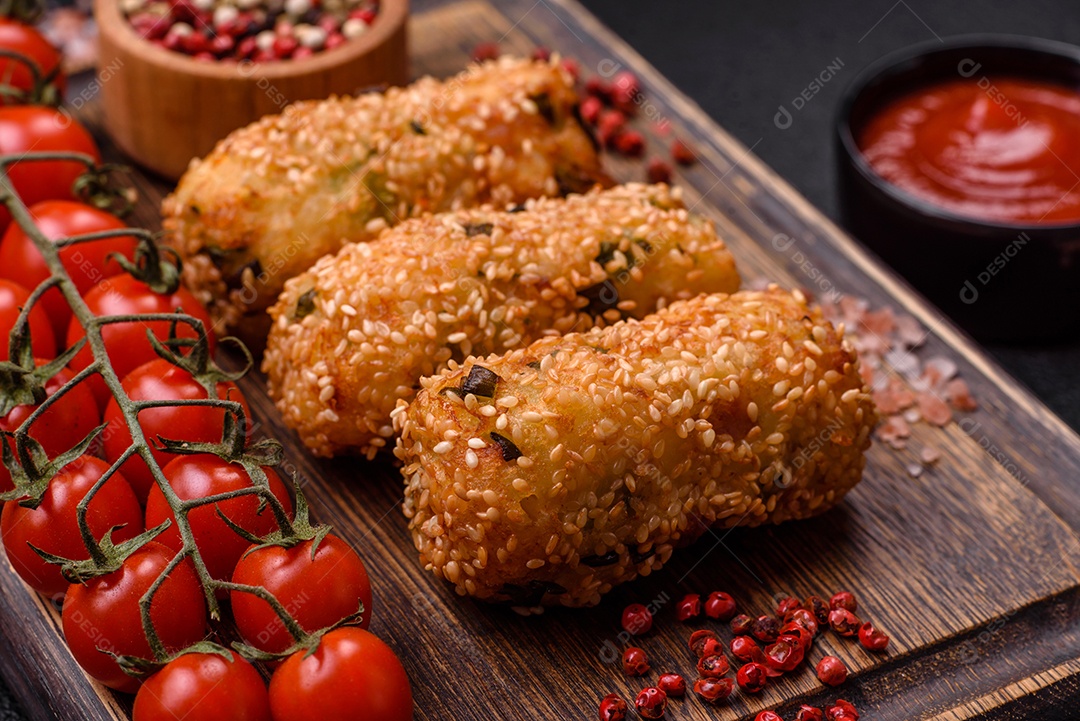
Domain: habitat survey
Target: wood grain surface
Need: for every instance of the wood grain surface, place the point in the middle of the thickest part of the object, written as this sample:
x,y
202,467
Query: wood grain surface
x,y
973,568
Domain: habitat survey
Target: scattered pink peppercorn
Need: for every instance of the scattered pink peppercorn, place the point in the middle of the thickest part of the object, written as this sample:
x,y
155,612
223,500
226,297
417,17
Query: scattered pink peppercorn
x,y
784,655
612,708
610,125
672,684
699,640
844,622
765,629
809,713
720,606
752,677
798,634
630,143
768,716
804,618
713,690
817,606
745,648
688,608
651,703
634,662
598,88
787,605
714,666
841,711
682,154
485,51
845,600
831,671
625,92
636,619
658,171
741,624
871,638
590,110
712,646
541,53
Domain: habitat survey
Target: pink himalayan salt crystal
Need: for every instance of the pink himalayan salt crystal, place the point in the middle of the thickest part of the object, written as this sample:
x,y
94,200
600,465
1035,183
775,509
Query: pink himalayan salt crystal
x,y
933,409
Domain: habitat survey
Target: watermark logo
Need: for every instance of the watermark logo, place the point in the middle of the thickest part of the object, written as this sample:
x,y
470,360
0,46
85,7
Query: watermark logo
x,y
785,118
969,292
967,68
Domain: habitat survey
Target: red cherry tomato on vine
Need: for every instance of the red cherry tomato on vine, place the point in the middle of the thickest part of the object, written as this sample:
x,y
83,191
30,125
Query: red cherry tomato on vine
x,y
53,526
351,669
61,426
103,614
318,591
12,299
204,475
28,42
161,380
32,128
86,263
204,687
126,343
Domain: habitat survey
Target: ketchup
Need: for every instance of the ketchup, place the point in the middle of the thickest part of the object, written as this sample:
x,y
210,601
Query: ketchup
x,y
1000,149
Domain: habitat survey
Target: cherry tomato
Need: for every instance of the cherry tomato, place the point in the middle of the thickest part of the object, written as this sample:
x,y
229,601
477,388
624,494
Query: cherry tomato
x,y
126,343
12,299
86,263
61,426
161,380
204,687
53,526
205,475
103,614
351,669
25,40
31,128
318,591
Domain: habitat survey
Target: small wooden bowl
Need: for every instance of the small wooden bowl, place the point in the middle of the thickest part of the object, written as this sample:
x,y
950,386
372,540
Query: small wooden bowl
x,y
164,108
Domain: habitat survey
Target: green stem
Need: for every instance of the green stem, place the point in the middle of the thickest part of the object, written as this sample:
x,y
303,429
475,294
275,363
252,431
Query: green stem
x,y
96,554
43,156
291,625
157,648
137,233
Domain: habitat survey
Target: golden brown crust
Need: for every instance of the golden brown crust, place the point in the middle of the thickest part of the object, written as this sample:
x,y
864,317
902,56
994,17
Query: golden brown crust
x,y
634,439
356,333
275,196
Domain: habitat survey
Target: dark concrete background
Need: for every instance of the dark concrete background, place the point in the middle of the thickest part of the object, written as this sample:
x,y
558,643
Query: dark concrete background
x,y
741,60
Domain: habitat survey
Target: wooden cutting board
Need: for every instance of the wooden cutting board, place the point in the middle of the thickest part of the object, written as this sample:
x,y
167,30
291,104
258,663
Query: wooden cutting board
x,y
972,567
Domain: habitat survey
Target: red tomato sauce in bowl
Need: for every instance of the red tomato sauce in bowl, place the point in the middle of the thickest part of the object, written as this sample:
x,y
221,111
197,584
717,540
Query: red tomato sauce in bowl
x,y
991,148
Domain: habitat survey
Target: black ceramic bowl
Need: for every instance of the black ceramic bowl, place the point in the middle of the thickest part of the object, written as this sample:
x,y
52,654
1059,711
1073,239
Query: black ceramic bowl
x,y
999,281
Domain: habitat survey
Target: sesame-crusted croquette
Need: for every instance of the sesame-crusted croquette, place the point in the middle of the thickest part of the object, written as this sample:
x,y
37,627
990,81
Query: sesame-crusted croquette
x,y
549,474
354,335
275,196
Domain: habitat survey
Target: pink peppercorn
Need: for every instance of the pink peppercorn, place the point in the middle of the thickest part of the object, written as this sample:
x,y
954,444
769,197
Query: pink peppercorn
x,y
636,619
651,703
720,606
688,608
